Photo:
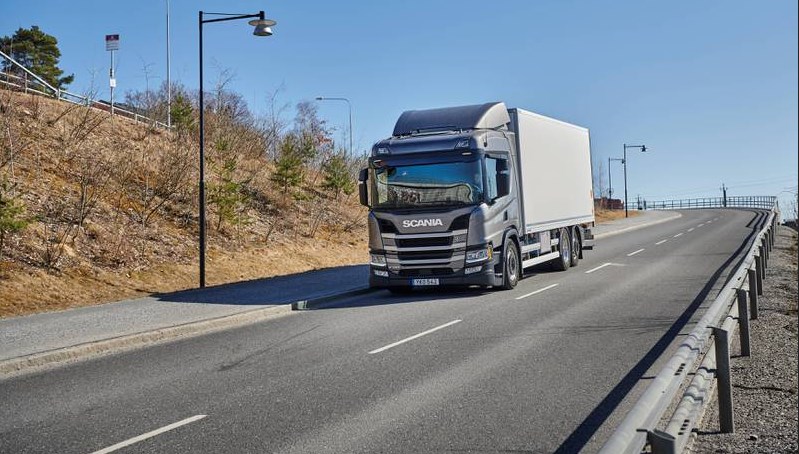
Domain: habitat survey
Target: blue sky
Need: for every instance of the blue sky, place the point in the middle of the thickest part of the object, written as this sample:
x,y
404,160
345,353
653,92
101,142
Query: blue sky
x,y
710,87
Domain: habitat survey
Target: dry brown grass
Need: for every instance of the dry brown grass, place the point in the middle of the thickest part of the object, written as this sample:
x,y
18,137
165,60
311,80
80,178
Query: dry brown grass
x,y
603,215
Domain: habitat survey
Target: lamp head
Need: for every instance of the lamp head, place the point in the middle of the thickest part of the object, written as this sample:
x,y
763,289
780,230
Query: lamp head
x,y
643,148
262,25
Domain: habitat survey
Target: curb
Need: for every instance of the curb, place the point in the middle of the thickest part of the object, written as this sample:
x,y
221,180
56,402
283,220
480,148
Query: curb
x,y
74,353
638,226
324,301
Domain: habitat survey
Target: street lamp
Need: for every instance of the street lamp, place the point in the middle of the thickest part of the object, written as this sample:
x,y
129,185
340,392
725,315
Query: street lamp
x,y
624,161
349,105
262,28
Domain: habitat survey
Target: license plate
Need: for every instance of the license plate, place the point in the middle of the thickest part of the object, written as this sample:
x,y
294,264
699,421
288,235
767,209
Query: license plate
x,y
423,282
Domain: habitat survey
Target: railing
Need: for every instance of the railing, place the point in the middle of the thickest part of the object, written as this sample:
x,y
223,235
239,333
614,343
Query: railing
x,y
643,424
31,83
762,202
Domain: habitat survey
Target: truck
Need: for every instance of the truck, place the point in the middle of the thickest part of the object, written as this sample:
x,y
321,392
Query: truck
x,y
474,195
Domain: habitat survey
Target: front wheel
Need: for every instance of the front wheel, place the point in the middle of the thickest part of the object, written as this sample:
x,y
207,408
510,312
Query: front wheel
x,y
564,259
512,266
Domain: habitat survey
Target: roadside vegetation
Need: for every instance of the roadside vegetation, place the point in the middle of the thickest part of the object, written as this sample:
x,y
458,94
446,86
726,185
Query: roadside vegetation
x,y
95,208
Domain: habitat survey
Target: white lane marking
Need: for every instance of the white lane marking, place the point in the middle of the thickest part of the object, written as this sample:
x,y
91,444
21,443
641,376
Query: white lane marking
x,y
635,252
150,434
382,349
537,291
691,229
700,225
598,268
661,242
678,235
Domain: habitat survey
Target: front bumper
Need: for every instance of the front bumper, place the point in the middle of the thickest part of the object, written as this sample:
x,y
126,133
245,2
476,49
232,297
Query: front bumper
x,y
486,276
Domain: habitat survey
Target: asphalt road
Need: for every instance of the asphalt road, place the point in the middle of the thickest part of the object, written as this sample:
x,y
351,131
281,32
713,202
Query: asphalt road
x,y
548,367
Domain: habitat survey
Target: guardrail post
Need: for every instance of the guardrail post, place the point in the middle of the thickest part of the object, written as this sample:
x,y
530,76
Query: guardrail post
x,y
743,322
722,346
761,271
752,291
661,442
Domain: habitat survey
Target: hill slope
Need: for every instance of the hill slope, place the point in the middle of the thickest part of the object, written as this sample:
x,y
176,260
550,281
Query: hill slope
x,y
111,207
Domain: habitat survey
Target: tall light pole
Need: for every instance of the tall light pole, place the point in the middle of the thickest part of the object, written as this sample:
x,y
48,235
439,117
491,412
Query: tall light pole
x,y
168,74
624,161
262,28
349,106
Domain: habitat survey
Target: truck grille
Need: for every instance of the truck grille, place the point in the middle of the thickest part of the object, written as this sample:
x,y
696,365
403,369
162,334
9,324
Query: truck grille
x,y
421,254
424,242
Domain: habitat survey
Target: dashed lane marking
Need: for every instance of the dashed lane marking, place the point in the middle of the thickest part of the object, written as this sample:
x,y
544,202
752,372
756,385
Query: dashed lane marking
x,y
598,268
408,339
537,291
151,434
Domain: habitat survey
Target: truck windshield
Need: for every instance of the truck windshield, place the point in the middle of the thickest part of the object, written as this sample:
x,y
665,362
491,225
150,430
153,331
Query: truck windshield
x,y
428,185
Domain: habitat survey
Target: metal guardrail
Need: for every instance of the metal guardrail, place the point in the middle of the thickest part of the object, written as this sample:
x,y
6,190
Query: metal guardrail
x,y
642,425
32,83
762,202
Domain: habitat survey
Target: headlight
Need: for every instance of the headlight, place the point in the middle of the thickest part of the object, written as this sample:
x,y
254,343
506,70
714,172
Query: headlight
x,y
377,259
480,255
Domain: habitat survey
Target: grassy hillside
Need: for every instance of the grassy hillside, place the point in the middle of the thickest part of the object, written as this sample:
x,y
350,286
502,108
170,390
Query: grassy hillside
x,y
110,209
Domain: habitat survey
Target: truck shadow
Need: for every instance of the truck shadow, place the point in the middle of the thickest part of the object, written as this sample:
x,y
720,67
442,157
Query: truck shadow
x,y
276,290
386,297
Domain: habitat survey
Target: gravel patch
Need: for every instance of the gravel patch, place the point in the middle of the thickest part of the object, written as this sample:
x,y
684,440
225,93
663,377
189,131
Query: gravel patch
x,y
765,400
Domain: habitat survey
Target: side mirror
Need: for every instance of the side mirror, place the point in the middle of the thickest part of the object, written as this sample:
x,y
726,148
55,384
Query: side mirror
x,y
363,192
503,178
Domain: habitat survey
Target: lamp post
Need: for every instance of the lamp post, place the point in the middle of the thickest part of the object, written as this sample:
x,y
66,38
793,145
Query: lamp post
x,y
624,161
168,74
262,28
349,106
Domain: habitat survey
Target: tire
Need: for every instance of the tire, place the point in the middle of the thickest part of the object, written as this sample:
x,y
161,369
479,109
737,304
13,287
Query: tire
x,y
511,266
564,260
576,246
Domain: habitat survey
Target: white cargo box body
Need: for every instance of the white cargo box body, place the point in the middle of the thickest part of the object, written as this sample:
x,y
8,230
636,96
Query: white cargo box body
x,y
555,164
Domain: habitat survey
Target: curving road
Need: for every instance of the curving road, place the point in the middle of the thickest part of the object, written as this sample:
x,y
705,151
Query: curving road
x,y
548,367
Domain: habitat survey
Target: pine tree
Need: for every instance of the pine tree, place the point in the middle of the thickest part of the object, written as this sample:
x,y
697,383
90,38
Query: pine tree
x,y
38,52
337,176
289,167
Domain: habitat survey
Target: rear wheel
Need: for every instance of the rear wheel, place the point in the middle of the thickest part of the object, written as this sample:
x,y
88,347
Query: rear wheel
x,y
512,266
564,259
576,246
